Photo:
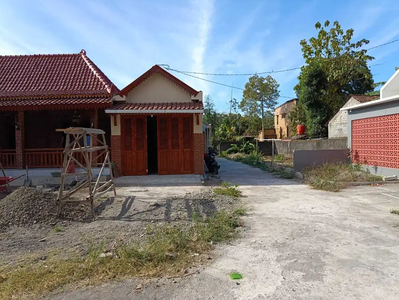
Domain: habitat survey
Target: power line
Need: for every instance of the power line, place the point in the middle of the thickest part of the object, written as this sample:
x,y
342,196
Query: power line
x,y
167,67
215,82
387,43
239,74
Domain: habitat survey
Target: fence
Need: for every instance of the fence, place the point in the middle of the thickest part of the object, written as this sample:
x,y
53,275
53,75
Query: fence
x,y
7,158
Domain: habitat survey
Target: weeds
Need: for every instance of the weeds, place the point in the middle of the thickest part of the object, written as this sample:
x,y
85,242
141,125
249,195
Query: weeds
x,y
240,211
167,251
395,211
229,190
284,173
334,177
57,229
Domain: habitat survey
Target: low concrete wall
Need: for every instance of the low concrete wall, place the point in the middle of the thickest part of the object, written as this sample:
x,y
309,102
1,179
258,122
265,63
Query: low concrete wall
x,y
288,147
304,158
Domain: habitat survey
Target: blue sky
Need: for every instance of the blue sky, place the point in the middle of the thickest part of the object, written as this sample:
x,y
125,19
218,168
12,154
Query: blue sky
x,y
125,38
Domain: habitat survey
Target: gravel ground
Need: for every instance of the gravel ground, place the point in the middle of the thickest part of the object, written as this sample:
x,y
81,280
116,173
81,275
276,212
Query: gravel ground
x,y
30,229
299,244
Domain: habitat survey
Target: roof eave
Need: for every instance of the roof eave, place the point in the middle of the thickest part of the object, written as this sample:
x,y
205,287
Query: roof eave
x,y
155,111
372,103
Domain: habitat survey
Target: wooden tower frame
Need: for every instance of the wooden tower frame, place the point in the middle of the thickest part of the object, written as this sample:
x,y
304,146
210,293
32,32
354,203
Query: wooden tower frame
x,y
76,143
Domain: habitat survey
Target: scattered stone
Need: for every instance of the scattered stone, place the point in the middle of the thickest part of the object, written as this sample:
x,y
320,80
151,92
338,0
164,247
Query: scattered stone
x,y
299,175
390,178
139,287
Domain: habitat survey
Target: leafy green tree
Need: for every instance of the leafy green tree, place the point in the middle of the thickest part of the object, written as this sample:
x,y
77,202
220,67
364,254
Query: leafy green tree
x,y
342,67
260,96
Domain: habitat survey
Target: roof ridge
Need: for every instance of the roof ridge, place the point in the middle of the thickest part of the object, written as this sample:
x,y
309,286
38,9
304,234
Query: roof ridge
x,y
100,74
41,55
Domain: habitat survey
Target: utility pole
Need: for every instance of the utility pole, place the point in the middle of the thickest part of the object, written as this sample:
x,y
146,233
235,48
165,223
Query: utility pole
x,y
263,123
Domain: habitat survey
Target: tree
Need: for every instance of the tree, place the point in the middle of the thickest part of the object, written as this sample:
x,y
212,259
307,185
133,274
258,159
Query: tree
x,y
342,67
260,95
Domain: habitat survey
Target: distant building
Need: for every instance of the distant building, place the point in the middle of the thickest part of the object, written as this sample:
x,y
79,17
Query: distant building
x,y
338,125
281,118
268,134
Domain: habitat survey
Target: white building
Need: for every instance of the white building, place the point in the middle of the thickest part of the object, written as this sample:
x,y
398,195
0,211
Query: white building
x,y
338,125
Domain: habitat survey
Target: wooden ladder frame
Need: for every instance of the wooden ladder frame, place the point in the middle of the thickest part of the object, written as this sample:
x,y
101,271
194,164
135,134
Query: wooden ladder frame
x,y
76,142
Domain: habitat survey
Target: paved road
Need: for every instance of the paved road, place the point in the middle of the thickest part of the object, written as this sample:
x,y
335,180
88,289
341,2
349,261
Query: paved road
x,y
300,244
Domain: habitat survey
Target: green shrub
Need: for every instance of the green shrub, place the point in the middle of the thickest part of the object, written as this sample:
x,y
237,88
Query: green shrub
x,y
253,159
247,148
234,148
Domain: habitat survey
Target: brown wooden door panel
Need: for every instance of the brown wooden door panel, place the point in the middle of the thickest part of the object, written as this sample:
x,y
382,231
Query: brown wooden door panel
x,y
134,135
175,144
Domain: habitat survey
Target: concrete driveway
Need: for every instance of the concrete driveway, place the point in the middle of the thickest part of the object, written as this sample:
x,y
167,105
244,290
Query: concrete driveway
x,y
300,244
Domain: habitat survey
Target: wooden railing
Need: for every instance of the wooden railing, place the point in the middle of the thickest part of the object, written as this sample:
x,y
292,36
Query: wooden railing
x,y
7,158
50,157
44,158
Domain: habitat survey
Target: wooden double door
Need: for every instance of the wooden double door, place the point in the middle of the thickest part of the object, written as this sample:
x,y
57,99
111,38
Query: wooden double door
x,y
175,145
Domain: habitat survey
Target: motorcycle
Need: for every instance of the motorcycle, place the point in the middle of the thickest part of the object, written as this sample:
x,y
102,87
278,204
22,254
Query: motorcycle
x,y
210,161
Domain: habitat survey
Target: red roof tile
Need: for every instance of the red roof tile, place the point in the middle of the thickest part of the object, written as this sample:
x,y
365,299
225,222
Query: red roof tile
x,y
47,79
159,70
364,98
80,102
195,105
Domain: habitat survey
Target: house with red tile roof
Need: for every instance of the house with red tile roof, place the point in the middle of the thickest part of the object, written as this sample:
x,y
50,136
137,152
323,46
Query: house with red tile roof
x,y
40,93
156,126
337,127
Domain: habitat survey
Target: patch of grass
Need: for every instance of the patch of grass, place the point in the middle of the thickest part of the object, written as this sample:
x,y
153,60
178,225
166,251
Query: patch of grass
x,y
235,276
279,157
167,251
334,177
58,229
395,211
240,211
284,173
227,189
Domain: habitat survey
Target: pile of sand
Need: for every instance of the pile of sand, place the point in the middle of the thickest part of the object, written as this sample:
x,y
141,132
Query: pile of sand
x,y
28,206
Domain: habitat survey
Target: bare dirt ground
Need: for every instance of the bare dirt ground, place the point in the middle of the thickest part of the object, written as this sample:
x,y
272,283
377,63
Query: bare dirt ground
x,y
300,244
24,239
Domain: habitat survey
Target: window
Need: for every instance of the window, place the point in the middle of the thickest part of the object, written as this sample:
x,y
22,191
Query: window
x,y
277,119
283,116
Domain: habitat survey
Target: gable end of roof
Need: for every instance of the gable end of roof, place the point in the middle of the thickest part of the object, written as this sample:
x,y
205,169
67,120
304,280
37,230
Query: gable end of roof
x,y
158,70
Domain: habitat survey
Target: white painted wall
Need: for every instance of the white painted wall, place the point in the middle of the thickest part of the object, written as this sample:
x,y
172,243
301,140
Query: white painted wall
x,y
338,125
391,87
158,89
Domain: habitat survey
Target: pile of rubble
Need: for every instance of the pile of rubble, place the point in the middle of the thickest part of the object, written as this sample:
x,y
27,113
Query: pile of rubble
x,y
28,206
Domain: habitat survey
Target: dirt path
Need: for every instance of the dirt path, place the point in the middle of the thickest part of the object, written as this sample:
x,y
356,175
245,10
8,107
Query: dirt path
x,y
300,244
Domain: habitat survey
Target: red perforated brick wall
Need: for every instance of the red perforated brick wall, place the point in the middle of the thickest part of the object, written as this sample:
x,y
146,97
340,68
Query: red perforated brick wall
x,y
375,141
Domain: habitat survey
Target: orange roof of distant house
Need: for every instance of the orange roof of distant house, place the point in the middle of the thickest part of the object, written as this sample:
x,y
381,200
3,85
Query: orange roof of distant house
x,y
364,98
53,81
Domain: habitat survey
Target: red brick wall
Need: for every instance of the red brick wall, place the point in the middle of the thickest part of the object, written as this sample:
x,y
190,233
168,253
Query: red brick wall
x,y
116,153
199,153
20,140
375,141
